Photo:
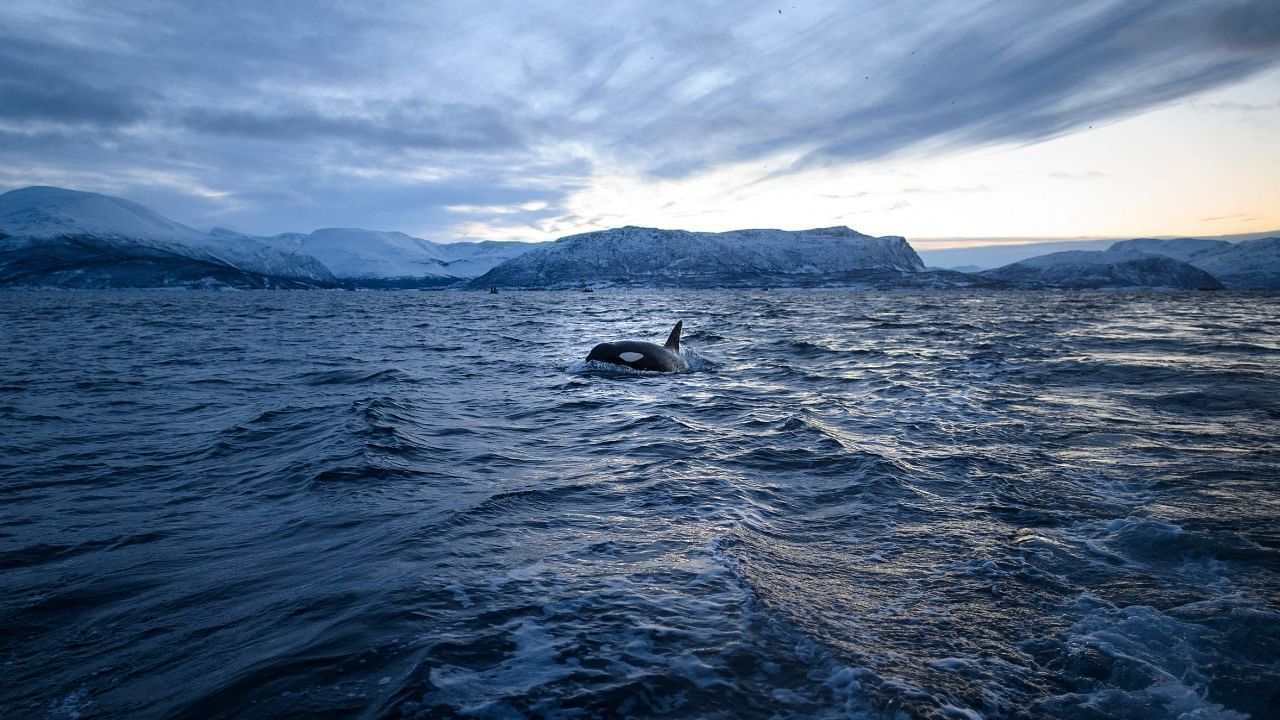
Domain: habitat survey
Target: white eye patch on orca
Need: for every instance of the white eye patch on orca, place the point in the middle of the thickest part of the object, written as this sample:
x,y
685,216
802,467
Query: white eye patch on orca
x,y
631,356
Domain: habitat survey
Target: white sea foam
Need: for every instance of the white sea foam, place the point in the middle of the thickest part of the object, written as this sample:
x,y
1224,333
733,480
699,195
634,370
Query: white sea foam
x,y
1143,662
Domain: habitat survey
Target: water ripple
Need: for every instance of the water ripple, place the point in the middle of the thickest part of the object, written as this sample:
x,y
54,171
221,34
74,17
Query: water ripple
x,y
277,504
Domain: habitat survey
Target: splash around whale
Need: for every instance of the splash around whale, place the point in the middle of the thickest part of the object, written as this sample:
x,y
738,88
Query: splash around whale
x,y
640,355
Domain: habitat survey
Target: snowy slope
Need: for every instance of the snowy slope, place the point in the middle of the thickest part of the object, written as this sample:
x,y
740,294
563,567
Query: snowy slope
x,y
380,256
261,256
91,240
354,254
50,229
634,255
49,212
1179,249
987,257
473,259
1249,265
1110,269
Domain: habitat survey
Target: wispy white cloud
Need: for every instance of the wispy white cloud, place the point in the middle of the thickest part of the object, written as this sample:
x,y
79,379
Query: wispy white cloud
x,y
389,113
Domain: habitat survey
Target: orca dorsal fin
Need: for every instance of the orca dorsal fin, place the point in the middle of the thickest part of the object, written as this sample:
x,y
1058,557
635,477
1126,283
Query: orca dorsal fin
x,y
673,340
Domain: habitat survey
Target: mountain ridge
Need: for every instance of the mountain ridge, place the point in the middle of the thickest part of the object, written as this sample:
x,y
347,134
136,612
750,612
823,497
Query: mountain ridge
x,y
55,237
58,237
1166,263
639,256
1106,269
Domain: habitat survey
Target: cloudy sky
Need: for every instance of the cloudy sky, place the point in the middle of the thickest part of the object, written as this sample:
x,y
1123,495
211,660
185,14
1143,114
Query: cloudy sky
x,y
531,120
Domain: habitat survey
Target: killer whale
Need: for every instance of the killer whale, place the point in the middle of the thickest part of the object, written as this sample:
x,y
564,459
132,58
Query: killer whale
x,y
640,355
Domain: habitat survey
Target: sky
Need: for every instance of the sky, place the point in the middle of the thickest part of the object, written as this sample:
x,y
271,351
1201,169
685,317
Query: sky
x,y
952,123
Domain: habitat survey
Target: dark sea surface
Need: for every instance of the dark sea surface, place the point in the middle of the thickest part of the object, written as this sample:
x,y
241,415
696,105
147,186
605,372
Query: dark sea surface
x,y
941,505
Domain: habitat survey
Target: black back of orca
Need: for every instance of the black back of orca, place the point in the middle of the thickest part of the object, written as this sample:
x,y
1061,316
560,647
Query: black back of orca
x,y
640,355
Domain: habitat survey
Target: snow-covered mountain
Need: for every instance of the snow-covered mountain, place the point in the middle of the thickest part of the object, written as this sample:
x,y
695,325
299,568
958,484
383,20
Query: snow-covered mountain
x,y
1247,265
473,259
1108,269
66,238
990,256
390,258
52,236
975,258
1179,249
47,212
370,255
651,257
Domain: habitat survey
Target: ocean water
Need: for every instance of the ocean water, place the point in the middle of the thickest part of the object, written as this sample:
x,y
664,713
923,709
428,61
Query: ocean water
x,y
415,504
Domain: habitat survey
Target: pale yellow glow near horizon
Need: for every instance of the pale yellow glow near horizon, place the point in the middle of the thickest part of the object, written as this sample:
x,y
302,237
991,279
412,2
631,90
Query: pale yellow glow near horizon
x,y
1206,165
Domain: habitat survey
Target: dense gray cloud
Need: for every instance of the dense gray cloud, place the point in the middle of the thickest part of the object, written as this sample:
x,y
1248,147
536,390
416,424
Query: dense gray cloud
x,y
454,127
34,89
298,114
